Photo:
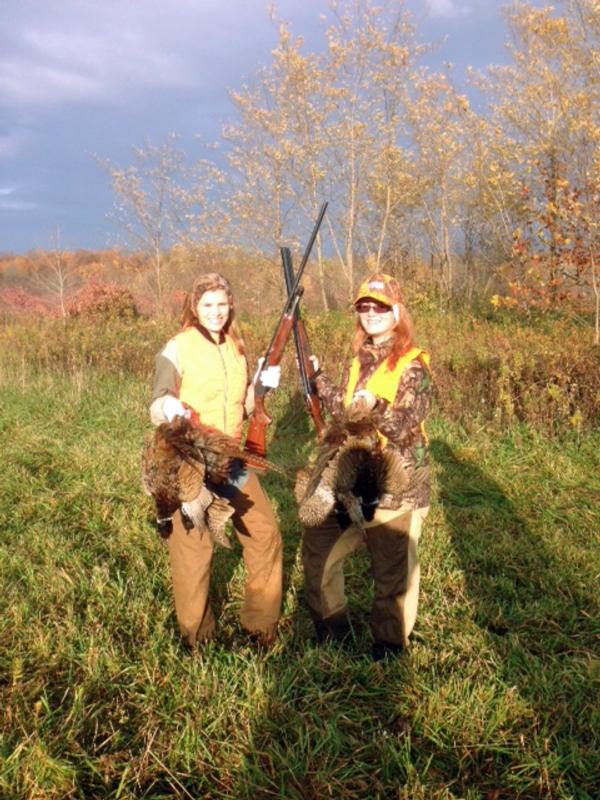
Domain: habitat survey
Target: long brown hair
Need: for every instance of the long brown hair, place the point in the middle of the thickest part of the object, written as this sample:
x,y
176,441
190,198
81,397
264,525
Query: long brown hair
x,y
211,282
403,333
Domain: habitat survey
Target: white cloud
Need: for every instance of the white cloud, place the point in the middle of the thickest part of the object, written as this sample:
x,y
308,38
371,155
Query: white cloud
x,y
10,203
447,8
30,83
102,57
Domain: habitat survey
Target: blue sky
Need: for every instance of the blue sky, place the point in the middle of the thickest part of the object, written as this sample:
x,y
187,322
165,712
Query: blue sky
x,y
80,78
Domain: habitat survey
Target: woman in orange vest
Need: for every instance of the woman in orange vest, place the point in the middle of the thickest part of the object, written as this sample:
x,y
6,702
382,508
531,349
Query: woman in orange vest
x,y
390,375
204,368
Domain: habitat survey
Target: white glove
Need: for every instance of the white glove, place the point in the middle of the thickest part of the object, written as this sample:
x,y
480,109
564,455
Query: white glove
x,y
268,377
172,407
315,362
365,398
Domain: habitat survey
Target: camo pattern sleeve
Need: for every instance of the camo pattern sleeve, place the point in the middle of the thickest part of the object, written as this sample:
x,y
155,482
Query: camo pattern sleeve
x,y
401,422
332,397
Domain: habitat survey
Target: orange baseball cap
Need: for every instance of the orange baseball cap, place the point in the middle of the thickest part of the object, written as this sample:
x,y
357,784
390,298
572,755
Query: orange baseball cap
x,y
380,287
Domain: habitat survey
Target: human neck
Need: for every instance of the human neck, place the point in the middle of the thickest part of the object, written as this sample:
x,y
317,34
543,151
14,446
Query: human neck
x,y
216,336
380,338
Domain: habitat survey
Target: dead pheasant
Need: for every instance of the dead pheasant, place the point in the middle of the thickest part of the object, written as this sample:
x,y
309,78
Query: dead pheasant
x,y
351,471
178,460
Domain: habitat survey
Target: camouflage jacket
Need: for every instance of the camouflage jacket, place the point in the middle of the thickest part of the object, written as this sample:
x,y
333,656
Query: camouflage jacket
x,y
399,421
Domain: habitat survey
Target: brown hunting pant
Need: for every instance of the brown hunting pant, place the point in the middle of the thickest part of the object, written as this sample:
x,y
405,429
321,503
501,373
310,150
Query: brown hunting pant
x,y
191,553
392,542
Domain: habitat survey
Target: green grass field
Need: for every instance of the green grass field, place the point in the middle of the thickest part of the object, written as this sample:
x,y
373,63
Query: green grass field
x,y
497,697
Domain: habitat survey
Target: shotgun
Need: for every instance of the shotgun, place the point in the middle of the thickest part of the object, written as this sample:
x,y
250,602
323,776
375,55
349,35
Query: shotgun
x,y
260,420
305,366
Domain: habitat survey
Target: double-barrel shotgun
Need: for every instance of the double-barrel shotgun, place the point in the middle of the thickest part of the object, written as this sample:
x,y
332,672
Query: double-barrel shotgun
x,y
260,420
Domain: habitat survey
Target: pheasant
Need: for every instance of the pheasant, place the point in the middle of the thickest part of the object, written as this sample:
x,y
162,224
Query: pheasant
x,y
350,471
178,460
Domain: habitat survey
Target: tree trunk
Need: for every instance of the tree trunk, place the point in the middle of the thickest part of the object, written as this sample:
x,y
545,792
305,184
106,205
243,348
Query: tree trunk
x,y
321,268
446,257
157,273
552,196
384,225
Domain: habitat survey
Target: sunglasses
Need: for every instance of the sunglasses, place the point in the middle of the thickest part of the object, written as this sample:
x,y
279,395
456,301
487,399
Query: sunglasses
x,y
376,308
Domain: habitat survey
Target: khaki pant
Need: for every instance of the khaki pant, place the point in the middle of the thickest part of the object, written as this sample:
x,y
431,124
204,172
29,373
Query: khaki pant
x,y
190,556
392,542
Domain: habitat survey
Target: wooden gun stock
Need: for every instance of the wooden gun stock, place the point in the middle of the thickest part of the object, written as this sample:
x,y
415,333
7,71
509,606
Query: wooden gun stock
x,y
256,438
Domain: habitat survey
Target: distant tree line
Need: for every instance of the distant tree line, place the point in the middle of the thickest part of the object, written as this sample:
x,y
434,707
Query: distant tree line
x,y
119,282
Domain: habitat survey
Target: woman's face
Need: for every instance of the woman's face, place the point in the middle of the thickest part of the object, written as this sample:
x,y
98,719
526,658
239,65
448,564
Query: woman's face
x,y
213,310
377,320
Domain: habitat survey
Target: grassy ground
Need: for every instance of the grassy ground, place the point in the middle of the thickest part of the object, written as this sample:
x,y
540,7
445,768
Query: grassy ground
x,y
497,698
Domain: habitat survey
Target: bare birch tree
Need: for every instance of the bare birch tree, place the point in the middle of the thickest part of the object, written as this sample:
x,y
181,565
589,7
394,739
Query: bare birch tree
x,y
55,273
150,205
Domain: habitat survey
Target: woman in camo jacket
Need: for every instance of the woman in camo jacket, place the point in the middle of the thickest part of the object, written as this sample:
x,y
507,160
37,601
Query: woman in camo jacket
x,y
390,375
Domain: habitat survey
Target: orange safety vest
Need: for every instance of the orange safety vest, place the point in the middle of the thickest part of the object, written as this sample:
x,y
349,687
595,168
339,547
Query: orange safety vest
x,y
214,380
384,381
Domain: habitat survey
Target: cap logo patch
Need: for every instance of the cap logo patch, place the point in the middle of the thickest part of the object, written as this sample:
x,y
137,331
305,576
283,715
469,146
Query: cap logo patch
x,y
376,285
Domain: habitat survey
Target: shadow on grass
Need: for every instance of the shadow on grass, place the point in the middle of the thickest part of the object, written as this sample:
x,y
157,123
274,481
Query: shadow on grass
x,y
538,613
521,589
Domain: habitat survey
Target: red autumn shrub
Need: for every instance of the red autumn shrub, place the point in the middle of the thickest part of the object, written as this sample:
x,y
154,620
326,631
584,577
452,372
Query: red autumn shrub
x,y
18,302
105,300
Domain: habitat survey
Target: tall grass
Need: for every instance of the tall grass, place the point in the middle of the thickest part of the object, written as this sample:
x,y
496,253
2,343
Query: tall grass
x,y
497,697
496,370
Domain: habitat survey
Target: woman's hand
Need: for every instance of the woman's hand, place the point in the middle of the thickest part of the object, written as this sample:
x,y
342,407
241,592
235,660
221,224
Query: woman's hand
x,y
172,407
364,400
268,377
